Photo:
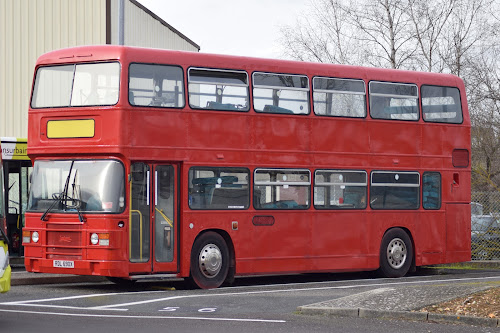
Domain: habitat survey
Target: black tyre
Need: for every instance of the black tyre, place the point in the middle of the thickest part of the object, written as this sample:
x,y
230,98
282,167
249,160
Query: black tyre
x,y
396,253
209,261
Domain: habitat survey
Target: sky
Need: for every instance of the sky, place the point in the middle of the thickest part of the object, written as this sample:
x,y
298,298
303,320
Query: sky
x,y
233,27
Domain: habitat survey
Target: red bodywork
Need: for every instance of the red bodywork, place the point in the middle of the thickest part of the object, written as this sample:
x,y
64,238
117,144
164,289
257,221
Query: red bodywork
x,y
298,241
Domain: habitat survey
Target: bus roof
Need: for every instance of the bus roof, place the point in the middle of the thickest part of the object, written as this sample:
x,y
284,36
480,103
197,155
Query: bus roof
x,y
149,55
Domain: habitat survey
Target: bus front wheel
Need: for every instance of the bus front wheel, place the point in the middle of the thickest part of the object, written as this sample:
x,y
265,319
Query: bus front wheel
x,y
396,253
209,261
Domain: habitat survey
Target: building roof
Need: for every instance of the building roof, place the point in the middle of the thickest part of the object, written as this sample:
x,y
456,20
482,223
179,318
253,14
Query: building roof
x,y
156,17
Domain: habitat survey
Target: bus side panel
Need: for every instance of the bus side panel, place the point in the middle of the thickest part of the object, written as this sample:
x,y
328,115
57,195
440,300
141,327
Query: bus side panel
x,y
284,246
388,138
458,233
214,131
347,136
430,238
272,132
340,241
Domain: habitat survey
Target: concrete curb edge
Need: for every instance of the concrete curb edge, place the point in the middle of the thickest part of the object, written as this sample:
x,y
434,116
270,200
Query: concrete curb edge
x,y
404,315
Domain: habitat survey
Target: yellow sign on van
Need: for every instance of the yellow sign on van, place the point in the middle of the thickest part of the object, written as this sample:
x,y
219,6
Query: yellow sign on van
x,y
78,128
14,149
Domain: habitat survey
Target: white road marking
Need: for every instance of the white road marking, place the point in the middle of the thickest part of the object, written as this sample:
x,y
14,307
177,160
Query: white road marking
x,y
37,301
119,306
287,291
81,296
145,317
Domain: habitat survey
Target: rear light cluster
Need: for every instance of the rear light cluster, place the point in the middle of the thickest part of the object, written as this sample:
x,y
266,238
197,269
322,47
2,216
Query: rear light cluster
x,y
99,239
30,237
460,158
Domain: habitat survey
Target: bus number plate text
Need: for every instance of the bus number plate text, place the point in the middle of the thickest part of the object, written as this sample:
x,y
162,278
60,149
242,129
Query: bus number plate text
x,y
64,264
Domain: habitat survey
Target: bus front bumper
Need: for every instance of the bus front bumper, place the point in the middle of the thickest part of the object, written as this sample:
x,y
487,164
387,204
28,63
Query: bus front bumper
x,y
77,267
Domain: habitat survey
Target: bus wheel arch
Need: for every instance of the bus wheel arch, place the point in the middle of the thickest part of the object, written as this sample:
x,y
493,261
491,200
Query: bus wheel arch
x,y
212,260
397,255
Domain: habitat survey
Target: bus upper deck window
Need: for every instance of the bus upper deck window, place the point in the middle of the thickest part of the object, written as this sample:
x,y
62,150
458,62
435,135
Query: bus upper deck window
x,y
91,84
280,93
339,97
216,89
156,86
396,101
441,104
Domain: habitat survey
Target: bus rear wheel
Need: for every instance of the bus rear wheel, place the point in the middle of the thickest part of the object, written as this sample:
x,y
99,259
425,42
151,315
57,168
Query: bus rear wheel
x,y
396,253
209,261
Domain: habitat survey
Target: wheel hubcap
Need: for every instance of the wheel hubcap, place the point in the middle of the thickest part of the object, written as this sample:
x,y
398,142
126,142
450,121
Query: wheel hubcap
x,y
396,253
210,260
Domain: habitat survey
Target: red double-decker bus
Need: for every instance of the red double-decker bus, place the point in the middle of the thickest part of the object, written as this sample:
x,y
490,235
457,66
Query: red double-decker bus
x,y
157,163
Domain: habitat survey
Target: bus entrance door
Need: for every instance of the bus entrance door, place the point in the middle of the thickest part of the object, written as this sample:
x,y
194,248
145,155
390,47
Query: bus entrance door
x,y
153,218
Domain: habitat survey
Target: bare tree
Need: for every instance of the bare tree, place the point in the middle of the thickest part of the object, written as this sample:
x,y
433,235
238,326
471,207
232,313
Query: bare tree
x,y
429,19
376,33
384,29
468,27
454,36
321,35
484,102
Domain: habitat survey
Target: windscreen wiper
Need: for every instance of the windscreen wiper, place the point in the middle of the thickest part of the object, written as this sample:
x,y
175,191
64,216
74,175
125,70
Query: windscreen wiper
x,y
62,195
77,201
57,199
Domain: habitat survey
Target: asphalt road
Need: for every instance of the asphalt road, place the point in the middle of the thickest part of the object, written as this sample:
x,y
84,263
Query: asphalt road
x,y
252,305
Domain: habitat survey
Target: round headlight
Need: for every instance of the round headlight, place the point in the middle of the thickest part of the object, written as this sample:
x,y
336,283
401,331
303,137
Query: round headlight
x,y
94,239
35,237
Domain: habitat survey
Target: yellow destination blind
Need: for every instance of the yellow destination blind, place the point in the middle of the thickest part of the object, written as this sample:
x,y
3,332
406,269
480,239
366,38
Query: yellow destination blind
x,y
78,128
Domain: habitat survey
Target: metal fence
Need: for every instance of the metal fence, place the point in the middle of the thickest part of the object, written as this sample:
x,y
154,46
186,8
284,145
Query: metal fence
x,y
485,225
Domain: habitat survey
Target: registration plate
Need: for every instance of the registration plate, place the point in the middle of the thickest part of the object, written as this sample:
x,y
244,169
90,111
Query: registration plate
x,y
64,264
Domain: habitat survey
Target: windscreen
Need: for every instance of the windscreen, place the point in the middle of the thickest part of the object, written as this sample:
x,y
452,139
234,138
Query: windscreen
x,y
76,85
86,186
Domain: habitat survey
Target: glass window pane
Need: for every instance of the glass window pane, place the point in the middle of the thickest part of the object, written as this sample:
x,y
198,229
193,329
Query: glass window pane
x,y
52,86
165,226
92,186
395,178
280,93
76,85
339,85
218,77
218,90
139,213
339,97
219,188
280,80
156,86
394,190
340,189
396,101
13,193
394,89
431,190
441,104
281,189
96,84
